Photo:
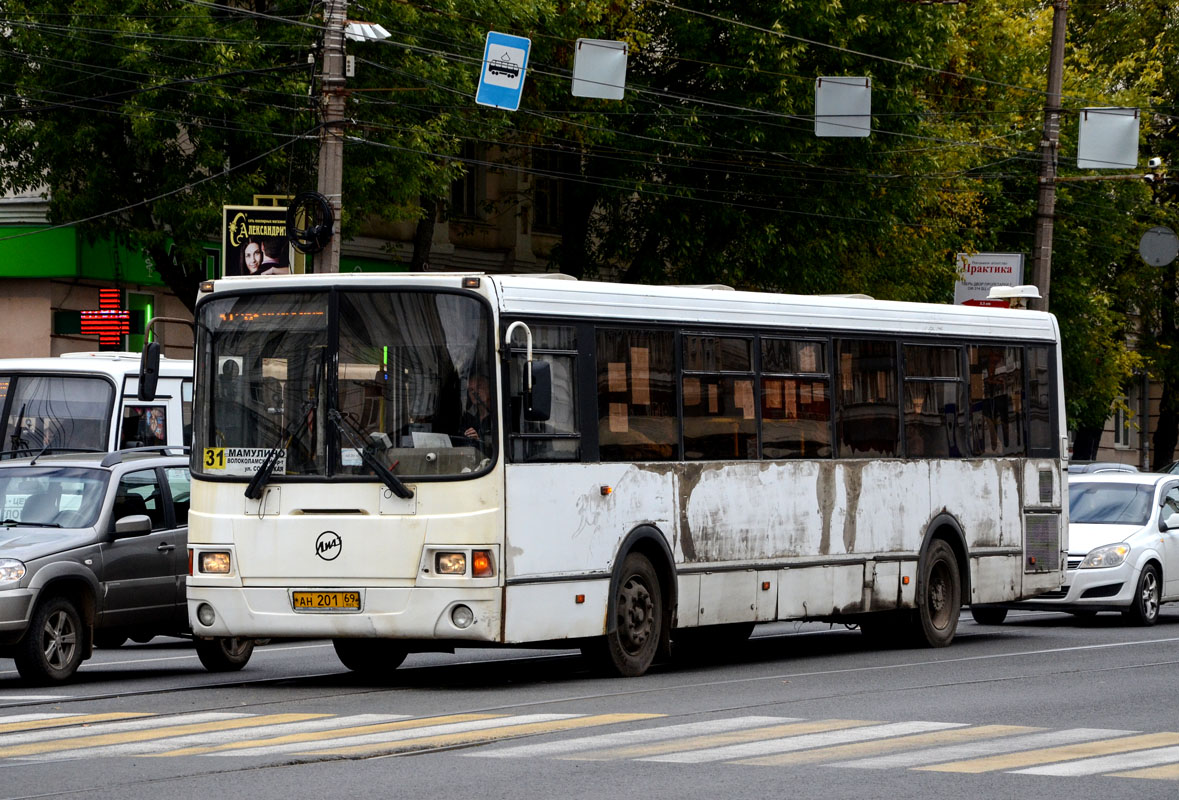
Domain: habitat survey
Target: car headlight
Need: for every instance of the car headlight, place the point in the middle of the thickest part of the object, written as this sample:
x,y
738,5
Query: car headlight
x,y
11,571
1110,555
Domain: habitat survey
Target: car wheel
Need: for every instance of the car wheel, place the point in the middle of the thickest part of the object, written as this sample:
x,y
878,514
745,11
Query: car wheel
x,y
1144,609
52,647
988,615
225,653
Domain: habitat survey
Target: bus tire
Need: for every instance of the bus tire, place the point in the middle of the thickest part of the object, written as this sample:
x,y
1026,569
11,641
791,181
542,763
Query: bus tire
x,y
225,653
52,647
371,657
1144,608
629,647
988,615
939,602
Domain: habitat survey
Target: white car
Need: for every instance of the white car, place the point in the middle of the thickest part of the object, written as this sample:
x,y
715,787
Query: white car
x,y
1123,549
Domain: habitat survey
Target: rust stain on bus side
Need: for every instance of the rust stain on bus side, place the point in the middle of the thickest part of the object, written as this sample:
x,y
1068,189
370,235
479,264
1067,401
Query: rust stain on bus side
x,y
853,481
825,501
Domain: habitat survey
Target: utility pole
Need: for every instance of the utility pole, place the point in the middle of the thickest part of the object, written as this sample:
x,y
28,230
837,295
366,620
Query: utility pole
x,y
1049,142
331,136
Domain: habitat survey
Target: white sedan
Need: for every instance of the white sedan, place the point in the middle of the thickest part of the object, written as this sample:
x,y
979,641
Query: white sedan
x,y
1123,549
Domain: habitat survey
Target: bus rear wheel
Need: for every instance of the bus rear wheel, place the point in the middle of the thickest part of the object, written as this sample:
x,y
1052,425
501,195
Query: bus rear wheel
x,y
940,600
370,657
629,648
225,653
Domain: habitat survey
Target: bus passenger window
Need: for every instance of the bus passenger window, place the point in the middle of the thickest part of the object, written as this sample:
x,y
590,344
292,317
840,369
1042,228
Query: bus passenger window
x,y
795,399
935,420
637,415
996,401
720,412
867,420
1041,440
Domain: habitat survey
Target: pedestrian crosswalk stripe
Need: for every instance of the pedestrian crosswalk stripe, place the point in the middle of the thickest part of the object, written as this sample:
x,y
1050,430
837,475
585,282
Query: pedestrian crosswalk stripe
x,y
1095,766
23,738
1168,773
273,726
805,742
296,741
624,738
525,725
713,742
31,722
1026,758
859,749
936,755
99,740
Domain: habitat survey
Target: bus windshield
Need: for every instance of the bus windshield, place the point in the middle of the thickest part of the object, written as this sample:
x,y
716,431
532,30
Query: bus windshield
x,y
58,412
324,383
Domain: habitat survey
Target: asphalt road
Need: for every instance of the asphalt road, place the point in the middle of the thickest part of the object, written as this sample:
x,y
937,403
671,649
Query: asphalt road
x,y
1045,706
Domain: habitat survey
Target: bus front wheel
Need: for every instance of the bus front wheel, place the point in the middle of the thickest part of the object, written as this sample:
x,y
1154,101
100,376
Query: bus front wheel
x,y
370,657
629,648
940,601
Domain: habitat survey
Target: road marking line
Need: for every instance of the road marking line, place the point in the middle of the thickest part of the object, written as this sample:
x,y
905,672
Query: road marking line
x,y
862,749
935,755
1167,773
102,740
31,722
32,697
1095,766
1026,758
805,742
623,738
718,740
136,724
523,725
294,741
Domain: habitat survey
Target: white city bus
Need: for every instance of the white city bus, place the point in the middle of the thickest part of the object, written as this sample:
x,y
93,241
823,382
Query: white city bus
x,y
688,462
88,402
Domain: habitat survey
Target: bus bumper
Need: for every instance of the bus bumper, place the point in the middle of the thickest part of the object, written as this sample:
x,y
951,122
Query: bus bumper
x,y
390,613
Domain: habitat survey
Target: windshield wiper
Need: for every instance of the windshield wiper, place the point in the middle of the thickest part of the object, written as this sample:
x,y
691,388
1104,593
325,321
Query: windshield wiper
x,y
8,523
270,460
396,486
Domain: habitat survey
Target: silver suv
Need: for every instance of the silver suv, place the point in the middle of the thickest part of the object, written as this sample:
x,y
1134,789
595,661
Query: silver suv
x,y
93,551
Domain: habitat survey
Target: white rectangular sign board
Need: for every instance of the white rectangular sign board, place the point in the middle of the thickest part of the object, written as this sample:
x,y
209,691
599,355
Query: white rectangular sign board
x,y
978,273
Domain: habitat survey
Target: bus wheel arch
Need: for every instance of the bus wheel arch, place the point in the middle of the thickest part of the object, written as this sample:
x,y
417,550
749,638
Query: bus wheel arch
x,y
943,583
643,573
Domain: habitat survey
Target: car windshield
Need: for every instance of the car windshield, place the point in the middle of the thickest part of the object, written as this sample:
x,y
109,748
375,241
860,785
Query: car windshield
x,y
1110,503
56,497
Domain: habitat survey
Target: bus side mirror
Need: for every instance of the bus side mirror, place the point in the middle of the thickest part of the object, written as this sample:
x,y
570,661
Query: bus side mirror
x,y
539,404
149,371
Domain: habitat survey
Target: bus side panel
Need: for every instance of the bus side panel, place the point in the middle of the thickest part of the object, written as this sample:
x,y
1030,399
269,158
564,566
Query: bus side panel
x,y
551,611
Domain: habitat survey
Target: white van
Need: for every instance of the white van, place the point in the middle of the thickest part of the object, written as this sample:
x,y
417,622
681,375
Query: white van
x,y
88,402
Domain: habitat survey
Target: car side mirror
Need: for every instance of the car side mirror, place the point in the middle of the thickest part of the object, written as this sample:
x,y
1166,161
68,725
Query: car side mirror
x,y
134,525
1169,523
149,371
538,405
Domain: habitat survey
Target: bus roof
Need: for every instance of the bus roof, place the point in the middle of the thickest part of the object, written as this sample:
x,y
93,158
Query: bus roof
x,y
552,294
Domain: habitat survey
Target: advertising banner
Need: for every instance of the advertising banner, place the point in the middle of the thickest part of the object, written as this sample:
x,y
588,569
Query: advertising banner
x,y
254,241
978,273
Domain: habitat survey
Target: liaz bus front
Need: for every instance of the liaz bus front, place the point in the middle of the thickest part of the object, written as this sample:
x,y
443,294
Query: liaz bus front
x,y
347,478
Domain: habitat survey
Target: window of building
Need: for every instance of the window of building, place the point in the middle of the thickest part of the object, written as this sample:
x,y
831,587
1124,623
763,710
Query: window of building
x,y
935,418
548,187
559,437
996,400
795,399
637,411
867,416
468,192
720,412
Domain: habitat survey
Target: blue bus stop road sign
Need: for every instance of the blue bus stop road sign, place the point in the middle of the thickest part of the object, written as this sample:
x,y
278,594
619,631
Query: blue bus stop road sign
x,y
505,58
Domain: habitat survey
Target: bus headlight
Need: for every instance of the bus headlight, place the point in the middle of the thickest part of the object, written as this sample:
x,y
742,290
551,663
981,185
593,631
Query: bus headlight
x,y
1110,555
11,571
215,563
450,563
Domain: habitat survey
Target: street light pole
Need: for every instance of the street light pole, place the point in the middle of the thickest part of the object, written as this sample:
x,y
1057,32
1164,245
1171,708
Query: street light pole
x,y
331,137
1046,206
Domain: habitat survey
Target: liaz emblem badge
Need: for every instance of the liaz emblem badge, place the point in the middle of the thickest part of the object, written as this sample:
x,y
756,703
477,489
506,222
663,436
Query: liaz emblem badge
x,y
328,545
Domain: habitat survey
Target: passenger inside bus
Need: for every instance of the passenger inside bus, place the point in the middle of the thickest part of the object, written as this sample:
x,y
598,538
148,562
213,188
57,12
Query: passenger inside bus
x,y
475,422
